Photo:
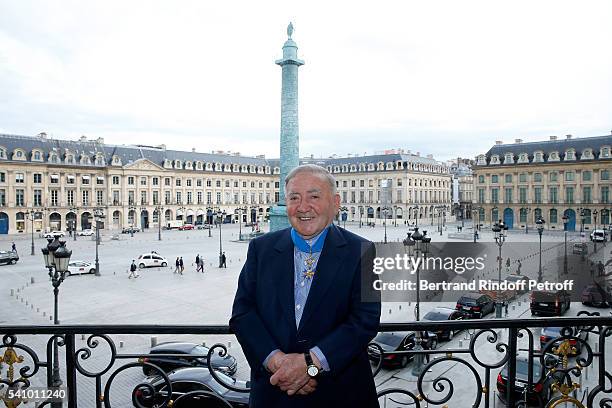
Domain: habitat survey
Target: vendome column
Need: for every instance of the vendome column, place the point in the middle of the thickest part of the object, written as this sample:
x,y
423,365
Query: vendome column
x,y
289,137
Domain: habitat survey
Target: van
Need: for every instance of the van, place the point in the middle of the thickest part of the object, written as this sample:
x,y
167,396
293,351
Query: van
x,y
549,302
598,235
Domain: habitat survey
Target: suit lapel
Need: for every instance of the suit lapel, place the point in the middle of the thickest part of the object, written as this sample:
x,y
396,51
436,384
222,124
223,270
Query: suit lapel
x,y
284,267
329,264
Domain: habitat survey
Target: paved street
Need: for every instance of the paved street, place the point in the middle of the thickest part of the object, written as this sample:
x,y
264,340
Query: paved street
x,y
160,296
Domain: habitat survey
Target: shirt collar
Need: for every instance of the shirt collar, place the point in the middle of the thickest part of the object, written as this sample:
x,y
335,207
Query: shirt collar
x,y
314,244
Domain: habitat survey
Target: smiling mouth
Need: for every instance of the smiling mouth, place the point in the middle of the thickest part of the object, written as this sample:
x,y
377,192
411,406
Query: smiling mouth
x,y
305,218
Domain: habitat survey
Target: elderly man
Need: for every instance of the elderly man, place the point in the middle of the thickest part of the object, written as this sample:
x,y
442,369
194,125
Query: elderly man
x,y
305,309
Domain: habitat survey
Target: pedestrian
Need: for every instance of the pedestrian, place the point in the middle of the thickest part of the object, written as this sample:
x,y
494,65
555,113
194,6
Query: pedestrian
x,y
177,264
518,269
133,270
197,263
223,260
13,247
181,265
201,265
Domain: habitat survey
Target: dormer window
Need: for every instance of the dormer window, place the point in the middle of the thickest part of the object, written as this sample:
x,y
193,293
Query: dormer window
x,y
2,153
18,155
495,159
117,161
69,159
570,154
587,154
604,152
188,165
209,166
99,160
381,166
277,170
538,157
336,169
199,165
553,156
481,160
267,169
53,158
509,158
178,164
37,156
389,166
85,160
523,158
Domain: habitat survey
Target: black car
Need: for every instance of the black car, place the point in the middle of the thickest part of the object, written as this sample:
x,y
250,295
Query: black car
x,y
475,305
519,278
226,365
442,314
8,257
127,230
553,303
595,295
551,333
540,391
399,341
186,380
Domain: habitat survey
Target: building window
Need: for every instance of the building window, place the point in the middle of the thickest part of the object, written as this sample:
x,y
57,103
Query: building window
x,y
131,198
177,182
219,198
569,195
143,181
552,216
85,180
2,177
523,195
143,198
116,198
55,179
523,215
155,181
2,198
70,179
188,182
605,195
156,198
494,179
495,195
85,198
37,178
218,184
167,182
167,197
537,195
99,197
508,178
130,181
570,155
586,175
208,197
200,198
569,176
508,195
209,183
37,198
54,197
179,198
99,180
605,175
19,178
70,197
586,195
199,183
537,177
522,178
189,198
19,198
481,196
552,176
481,179
115,180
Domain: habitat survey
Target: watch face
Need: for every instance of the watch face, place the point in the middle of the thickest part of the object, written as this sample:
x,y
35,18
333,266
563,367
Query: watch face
x,y
313,371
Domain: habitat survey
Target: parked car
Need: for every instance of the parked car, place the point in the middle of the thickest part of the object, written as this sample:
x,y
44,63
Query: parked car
x,y
127,230
186,380
475,305
151,259
186,227
442,314
203,226
86,233
519,278
226,364
398,341
580,248
596,295
502,295
54,234
598,235
551,333
540,391
80,268
8,257
553,302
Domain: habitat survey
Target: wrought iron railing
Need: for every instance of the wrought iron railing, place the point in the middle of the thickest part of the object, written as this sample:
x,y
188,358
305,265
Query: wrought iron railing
x,y
562,362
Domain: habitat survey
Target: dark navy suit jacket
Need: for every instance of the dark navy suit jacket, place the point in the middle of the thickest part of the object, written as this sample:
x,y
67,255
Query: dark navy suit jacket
x,y
335,318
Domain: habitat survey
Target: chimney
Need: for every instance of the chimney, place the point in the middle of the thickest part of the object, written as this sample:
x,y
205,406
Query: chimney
x,y
162,146
499,142
42,135
83,138
430,156
100,140
517,141
193,150
553,138
312,156
568,137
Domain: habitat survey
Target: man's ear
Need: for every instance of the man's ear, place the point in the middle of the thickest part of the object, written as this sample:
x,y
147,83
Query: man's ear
x,y
337,201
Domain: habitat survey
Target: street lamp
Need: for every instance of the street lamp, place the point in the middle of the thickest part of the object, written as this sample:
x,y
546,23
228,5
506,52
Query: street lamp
x,y
421,244
582,215
565,219
98,216
344,211
499,229
159,209
527,211
57,258
132,210
241,210
595,229
360,215
540,228
385,211
74,210
220,217
30,215
209,219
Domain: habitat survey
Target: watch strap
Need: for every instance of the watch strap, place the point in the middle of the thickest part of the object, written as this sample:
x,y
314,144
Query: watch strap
x,y
308,359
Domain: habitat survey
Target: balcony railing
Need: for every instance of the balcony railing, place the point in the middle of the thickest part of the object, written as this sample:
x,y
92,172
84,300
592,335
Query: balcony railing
x,y
80,344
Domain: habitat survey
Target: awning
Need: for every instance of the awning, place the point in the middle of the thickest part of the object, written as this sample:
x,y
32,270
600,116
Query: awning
x,y
56,177
199,212
100,178
189,212
85,177
70,177
179,213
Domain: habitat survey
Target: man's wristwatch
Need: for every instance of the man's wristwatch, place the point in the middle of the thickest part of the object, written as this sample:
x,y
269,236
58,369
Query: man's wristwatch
x,y
311,369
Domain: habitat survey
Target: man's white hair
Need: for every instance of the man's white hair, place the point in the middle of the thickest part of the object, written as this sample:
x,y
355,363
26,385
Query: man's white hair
x,y
316,170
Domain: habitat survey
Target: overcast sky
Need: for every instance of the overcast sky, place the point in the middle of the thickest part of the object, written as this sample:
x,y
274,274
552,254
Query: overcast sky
x,y
441,77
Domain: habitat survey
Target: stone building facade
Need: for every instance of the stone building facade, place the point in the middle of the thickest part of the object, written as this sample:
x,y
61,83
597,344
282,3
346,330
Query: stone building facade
x,y
520,182
61,183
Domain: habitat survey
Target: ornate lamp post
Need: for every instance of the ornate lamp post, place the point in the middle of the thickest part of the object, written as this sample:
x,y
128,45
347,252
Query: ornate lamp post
x,y
57,258
582,215
565,219
220,217
98,216
159,209
474,225
30,214
595,229
421,243
540,228
499,229
360,215
209,219
385,210
75,210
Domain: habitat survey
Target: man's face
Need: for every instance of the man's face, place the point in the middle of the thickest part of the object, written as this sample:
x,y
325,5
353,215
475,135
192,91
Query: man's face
x,y
311,206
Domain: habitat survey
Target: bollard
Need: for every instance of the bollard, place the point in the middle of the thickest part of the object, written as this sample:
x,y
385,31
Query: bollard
x,y
203,344
153,341
389,311
50,317
32,280
400,307
12,292
120,344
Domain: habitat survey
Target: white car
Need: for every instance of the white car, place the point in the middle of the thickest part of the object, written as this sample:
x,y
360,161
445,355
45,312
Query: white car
x,y
54,234
86,233
151,259
80,268
598,235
